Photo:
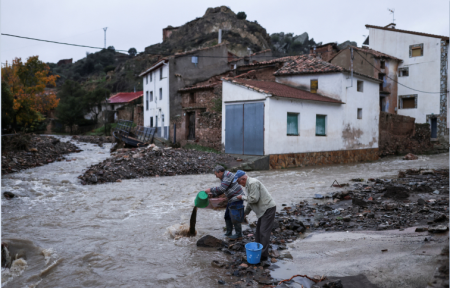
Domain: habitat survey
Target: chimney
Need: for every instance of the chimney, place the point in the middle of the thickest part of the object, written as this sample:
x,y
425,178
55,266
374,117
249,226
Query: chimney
x,y
220,36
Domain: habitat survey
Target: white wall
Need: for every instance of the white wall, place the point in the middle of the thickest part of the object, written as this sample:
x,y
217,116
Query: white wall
x,y
424,71
330,84
343,130
157,107
235,94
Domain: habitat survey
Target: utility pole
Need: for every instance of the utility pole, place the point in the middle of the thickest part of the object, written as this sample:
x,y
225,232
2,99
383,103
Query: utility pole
x,y
104,29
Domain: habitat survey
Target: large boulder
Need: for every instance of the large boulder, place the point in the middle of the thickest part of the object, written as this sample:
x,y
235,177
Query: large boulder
x,y
211,242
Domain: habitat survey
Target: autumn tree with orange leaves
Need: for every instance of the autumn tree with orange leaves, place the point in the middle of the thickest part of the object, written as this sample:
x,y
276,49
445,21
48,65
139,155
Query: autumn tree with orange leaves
x,y
27,82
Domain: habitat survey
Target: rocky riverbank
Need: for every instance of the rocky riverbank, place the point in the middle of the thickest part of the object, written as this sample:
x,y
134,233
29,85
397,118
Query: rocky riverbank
x,y
153,161
23,151
417,198
99,140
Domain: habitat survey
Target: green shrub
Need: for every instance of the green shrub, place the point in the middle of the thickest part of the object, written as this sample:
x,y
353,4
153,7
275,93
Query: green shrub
x,y
241,15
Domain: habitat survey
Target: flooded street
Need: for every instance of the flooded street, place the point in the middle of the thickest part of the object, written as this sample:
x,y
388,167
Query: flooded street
x,y
118,235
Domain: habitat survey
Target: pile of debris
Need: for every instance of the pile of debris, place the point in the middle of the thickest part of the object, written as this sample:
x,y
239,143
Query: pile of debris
x,y
416,198
152,161
99,140
37,151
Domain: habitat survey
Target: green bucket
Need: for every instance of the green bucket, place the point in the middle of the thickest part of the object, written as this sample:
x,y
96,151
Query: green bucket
x,y
202,199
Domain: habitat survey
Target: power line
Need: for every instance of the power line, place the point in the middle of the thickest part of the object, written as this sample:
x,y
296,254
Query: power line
x,y
393,79
62,43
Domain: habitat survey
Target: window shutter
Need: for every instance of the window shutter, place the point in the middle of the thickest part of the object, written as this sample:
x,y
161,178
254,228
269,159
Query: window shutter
x,y
416,52
320,125
314,86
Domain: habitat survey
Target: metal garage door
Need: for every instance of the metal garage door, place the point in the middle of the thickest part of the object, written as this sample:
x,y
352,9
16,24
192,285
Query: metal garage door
x,y
244,129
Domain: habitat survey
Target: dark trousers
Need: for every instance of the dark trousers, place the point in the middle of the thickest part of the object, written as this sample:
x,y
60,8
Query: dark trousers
x,y
227,210
264,229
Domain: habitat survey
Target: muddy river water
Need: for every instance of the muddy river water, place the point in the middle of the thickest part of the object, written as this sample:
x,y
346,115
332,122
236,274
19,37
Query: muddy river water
x,y
119,234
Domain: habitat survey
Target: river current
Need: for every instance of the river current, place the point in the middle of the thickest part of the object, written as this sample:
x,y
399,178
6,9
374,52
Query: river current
x,y
121,234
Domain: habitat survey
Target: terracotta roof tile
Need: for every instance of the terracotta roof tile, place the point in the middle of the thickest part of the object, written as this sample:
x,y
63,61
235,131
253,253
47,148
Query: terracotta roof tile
x,y
200,87
310,64
408,32
125,97
307,64
273,61
281,90
260,52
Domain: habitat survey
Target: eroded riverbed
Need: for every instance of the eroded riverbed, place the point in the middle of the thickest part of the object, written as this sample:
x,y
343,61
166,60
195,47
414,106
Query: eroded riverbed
x,y
118,235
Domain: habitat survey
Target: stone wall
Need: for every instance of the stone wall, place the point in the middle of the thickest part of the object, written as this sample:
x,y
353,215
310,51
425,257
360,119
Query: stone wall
x,y
206,104
399,135
443,130
133,113
322,158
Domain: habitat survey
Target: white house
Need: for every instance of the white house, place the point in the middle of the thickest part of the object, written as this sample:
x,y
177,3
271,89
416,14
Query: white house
x,y
156,98
424,69
314,113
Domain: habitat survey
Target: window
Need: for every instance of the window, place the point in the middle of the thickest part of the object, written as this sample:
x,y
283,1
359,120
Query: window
x,y
146,100
314,85
151,121
408,101
292,124
320,125
160,93
403,72
381,77
382,64
160,73
151,96
146,79
359,86
151,76
416,50
359,113
191,98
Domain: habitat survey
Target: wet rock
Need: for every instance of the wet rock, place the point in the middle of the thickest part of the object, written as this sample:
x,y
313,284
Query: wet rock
x,y
221,282
217,264
333,284
410,156
421,229
438,229
210,241
396,192
9,195
359,202
440,218
421,202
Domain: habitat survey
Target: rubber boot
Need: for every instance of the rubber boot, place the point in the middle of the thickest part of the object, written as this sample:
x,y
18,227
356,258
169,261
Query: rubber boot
x,y
229,227
238,229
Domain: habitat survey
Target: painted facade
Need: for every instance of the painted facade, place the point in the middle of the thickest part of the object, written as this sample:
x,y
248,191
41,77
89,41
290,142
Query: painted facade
x,y
427,72
344,131
156,99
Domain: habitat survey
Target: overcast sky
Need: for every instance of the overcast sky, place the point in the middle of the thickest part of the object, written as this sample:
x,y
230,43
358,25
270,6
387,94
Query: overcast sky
x,y
139,23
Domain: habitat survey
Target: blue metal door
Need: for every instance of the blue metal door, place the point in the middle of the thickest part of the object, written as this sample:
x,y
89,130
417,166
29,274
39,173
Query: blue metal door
x,y
254,129
244,129
234,129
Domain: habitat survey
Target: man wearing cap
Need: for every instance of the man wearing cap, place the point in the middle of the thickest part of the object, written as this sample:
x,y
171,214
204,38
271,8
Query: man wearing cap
x,y
232,190
259,200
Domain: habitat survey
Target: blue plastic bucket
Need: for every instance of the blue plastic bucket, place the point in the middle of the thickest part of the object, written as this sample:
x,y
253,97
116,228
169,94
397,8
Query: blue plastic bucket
x,y
237,213
253,252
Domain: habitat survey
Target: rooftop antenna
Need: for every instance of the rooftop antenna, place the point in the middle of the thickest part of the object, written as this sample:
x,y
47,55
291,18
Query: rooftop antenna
x,y
392,12
104,29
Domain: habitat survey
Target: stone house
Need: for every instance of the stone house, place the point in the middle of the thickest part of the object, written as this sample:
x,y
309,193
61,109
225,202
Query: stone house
x,y
310,115
422,76
163,80
123,104
376,64
201,119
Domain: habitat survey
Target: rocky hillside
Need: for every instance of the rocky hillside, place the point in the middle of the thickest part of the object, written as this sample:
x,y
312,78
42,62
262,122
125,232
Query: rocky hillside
x,y
119,72
202,32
